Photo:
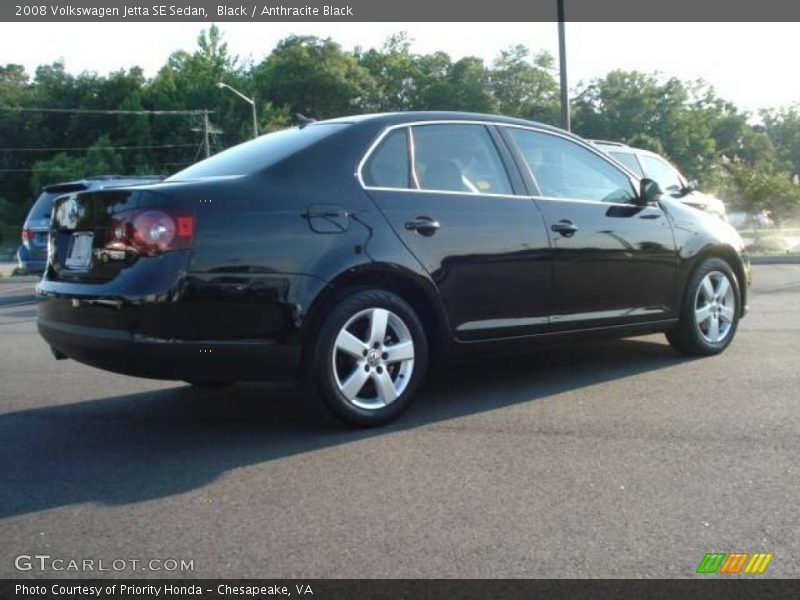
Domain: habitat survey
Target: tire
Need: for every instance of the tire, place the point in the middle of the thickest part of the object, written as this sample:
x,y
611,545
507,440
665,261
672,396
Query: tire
x,y
369,357
710,310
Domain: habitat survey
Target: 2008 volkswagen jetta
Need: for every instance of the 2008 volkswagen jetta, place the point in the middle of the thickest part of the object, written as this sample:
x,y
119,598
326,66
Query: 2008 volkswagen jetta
x,y
357,251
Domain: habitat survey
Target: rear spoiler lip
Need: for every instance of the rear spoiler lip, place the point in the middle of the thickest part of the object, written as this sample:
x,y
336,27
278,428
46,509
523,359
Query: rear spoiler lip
x,y
64,188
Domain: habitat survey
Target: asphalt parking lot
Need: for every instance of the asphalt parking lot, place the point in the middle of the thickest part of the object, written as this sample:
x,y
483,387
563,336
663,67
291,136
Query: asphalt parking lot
x,y
618,459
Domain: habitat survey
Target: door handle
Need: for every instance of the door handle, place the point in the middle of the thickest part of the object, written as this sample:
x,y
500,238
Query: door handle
x,y
423,226
564,227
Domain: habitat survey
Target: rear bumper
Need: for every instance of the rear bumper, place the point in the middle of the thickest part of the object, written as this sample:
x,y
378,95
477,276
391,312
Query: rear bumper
x,y
196,360
159,319
30,260
28,267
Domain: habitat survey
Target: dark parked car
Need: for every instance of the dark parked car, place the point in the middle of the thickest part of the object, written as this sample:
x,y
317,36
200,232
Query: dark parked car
x,y
32,253
644,163
354,252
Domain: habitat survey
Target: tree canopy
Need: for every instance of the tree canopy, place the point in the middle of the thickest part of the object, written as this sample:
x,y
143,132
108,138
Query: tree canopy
x,y
743,157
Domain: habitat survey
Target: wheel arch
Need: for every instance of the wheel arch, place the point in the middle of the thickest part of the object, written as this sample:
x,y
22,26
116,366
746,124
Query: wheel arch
x,y
418,292
736,262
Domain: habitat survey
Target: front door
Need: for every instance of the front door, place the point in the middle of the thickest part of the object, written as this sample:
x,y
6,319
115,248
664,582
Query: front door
x,y
614,261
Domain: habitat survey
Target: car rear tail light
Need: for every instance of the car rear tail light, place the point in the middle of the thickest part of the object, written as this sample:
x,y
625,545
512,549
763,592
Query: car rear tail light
x,y
27,235
151,231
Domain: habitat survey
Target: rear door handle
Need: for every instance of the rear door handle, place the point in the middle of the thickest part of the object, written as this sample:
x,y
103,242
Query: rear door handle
x,y
564,227
423,225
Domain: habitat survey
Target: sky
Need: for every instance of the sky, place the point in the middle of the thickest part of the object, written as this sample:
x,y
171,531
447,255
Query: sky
x,y
750,64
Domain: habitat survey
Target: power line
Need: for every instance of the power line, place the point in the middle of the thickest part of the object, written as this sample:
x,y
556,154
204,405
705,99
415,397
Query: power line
x,y
168,164
97,148
98,111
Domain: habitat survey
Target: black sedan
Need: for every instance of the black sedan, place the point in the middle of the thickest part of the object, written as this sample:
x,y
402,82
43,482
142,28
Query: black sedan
x,y
353,253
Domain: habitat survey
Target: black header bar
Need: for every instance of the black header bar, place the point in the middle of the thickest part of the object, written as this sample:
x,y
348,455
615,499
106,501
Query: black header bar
x,y
391,10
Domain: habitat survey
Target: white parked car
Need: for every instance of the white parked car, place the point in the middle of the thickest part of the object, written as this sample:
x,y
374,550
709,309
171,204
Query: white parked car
x,y
644,163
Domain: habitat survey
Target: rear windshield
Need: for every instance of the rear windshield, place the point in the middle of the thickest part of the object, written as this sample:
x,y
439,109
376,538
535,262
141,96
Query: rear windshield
x,y
629,160
254,155
41,208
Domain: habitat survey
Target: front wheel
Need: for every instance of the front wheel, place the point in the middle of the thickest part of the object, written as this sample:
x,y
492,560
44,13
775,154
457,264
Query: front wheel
x,y
370,356
710,310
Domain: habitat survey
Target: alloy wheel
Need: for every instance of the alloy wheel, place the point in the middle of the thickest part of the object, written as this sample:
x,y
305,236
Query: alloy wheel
x,y
373,358
715,307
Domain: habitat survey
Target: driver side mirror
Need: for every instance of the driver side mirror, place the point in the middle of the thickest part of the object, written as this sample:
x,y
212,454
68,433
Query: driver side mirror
x,y
649,191
691,186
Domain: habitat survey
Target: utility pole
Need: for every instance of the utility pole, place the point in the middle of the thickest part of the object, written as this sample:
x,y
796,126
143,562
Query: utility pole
x,y
206,128
562,60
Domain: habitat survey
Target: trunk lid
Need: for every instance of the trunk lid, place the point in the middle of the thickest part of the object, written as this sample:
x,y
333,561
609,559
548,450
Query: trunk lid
x,y
79,229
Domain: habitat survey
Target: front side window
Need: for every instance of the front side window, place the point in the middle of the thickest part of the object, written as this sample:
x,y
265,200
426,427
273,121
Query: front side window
x,y
563,169
663,173
458,158
387,167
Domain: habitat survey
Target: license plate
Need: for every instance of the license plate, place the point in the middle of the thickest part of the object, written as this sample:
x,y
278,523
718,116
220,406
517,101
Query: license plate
x,y
80,251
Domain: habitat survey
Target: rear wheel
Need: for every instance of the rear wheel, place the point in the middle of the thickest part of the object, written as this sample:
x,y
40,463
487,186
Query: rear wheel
x,y
710,310
369,357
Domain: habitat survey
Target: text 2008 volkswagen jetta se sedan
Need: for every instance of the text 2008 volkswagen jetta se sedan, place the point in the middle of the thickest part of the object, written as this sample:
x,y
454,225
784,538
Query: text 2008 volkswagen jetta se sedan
x,y
354,252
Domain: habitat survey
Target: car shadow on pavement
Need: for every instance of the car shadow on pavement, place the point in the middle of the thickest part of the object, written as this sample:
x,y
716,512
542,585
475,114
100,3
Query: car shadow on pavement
x,y
136,447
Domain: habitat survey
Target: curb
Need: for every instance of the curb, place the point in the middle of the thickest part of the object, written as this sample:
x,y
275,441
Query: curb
x,y
20,279
776,259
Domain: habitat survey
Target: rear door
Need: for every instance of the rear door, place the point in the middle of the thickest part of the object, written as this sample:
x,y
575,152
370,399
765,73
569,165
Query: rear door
x,y
614,261
449,194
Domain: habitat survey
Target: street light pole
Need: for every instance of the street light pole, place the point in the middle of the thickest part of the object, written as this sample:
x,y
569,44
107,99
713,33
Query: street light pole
x,y
562,60
250,101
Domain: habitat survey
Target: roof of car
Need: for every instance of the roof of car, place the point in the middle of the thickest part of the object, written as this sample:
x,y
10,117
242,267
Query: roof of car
x,y
395,118
619,145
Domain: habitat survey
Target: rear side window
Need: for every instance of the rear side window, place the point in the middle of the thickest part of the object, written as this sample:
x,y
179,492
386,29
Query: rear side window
x,y
257,154
458,158
387,167
564,169
629,160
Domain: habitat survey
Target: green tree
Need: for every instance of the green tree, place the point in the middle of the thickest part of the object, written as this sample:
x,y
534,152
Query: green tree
x,y
99,159
469,86
315,77
709,138
755,188
189,82
394,73
523,85
783,128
